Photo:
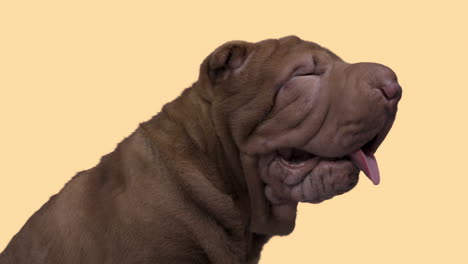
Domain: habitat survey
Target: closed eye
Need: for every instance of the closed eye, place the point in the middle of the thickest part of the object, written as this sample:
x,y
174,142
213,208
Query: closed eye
x,y
311,69
308,73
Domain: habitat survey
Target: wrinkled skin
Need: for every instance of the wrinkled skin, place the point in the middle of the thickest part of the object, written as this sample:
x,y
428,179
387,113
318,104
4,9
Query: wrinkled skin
x,y
221,169
304,101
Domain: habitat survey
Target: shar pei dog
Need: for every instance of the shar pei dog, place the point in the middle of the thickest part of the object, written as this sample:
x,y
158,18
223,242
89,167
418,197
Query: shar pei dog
x,y
221,169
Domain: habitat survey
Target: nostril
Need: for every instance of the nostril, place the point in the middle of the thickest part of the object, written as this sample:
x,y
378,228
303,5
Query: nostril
x,y
390,90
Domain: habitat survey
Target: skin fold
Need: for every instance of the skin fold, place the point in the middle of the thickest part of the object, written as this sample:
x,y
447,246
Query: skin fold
x,y
221,169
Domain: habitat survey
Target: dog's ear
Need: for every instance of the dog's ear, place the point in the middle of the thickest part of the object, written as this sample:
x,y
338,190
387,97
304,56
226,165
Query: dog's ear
x,y
225,59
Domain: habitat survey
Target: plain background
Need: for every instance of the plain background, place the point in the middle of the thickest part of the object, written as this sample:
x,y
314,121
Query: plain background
x,y
76,78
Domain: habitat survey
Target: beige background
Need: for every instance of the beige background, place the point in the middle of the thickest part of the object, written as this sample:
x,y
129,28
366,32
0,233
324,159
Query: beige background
x,y
76,78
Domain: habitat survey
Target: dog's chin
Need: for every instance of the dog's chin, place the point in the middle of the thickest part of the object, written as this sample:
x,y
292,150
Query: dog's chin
x,y
313,179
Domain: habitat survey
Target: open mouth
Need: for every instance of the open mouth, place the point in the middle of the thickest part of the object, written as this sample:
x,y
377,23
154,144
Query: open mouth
x,y
362,158
299,174
294,157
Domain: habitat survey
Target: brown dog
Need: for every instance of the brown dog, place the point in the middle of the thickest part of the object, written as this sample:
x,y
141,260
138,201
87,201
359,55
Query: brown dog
x,y
221,169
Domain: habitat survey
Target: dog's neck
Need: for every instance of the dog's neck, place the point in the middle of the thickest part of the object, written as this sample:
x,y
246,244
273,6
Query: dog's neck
x,y
192,113
188,122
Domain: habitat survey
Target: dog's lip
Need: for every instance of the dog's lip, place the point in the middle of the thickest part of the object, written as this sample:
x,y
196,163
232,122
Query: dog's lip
x,y
369,147
364,159
307,166
298,165
309,162
372,145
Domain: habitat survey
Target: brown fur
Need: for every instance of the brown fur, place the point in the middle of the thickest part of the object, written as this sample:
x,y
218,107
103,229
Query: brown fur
x,y
182,188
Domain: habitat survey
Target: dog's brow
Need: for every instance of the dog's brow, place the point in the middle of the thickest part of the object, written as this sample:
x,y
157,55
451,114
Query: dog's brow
x,y
332,54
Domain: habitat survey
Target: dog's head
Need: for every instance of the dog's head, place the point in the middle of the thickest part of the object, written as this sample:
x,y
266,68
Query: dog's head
x,y
303,121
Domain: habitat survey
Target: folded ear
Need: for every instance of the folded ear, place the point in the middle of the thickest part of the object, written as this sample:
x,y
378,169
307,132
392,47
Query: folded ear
x,y
227,58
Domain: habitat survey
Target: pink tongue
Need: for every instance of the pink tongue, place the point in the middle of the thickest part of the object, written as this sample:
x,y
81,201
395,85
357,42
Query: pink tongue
x,y
367,163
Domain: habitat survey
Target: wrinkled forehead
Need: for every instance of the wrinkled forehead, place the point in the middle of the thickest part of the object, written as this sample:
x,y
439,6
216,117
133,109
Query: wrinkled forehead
x,y
290,46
